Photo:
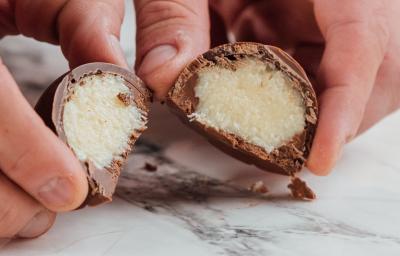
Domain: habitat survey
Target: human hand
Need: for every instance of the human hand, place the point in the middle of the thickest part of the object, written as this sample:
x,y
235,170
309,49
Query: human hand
x,y
39,175
347,47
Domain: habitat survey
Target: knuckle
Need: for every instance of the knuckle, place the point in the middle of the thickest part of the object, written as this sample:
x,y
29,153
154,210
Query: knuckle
x,y
110,8
153,12
369,25
358,26
382,34
379,26
16,168
8,221
101,13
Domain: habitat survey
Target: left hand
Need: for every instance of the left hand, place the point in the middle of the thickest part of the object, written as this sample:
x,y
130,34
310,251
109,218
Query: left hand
x,y
39,175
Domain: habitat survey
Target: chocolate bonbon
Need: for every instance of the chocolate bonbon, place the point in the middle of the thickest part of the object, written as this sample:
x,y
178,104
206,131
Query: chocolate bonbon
x,y
253,101
99,110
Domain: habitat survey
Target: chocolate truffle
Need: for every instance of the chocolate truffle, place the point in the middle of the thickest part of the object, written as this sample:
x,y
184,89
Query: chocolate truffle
x,y
99,110
253,101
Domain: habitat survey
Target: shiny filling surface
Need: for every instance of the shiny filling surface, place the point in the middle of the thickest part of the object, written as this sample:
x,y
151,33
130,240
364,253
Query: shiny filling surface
x,y
98,123
255,102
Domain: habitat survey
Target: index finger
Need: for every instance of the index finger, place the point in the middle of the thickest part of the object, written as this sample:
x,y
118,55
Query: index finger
x,y
356,36
88,31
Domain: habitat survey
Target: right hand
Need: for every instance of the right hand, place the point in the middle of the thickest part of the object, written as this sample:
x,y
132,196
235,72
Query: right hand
x,y
39,175
350,47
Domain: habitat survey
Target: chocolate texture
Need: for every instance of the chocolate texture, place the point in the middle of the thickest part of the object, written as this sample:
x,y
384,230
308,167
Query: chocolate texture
x,y
288,158
300,190
102,181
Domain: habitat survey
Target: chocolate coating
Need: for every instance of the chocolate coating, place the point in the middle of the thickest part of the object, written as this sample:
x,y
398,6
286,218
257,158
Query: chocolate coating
x,y
287,159
300,190
102,182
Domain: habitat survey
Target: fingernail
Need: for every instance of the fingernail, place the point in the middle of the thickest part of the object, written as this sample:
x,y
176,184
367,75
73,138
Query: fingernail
x,y
118,52
36,226
157,57
57,193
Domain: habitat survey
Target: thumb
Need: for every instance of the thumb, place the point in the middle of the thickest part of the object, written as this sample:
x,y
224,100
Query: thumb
x,y
170,34
87,31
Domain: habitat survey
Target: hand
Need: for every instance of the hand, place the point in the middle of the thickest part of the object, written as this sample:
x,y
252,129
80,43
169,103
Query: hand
x,y
349,48
39,174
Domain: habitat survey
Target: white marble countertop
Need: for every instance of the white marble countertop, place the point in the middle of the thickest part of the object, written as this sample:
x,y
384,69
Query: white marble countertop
x,y
197,202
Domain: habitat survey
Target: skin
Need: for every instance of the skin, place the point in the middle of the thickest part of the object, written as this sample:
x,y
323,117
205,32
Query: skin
x,y
33,185
348,47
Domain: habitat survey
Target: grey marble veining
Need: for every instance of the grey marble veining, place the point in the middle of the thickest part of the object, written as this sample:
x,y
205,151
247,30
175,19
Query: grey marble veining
x,y
197,202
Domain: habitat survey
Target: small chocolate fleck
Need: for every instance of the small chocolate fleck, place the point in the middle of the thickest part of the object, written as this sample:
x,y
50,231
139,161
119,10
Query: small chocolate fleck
x,y
300,190
125,98
259,187
150,167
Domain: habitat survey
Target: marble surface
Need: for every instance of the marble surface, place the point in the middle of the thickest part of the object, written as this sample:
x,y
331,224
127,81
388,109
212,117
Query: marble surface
x,y
198,202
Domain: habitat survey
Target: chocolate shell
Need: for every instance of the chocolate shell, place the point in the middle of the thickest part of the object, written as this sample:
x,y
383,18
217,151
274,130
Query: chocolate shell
x,y
288,158
102,181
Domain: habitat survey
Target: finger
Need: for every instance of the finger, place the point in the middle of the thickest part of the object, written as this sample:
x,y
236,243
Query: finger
x,y
170,34
20,214
33,157
385,97
355,47
87,31
38,19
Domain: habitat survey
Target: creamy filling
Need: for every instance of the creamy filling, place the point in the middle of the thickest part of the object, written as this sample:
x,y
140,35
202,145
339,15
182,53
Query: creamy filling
x,y
255,102
98,124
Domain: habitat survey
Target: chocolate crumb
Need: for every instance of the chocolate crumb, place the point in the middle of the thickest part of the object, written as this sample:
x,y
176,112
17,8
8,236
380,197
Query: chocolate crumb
x,y
259,187
124,98
300,190
149,208
150,167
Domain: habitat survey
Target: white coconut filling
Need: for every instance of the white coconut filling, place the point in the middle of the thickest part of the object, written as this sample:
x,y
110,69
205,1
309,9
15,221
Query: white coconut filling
x,y
255,102
97,124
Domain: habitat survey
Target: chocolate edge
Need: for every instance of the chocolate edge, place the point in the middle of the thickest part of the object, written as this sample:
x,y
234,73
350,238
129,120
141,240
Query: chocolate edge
x,y
226,142
47,109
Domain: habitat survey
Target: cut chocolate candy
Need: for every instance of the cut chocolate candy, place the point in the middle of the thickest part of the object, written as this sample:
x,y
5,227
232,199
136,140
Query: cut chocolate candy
x,y
99,110
253,101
